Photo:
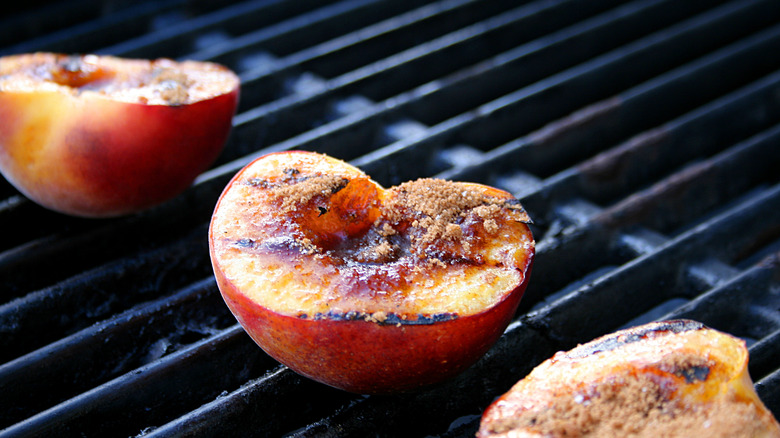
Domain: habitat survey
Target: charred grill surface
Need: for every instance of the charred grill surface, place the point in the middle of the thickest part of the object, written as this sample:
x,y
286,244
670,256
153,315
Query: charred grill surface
x,y
641,137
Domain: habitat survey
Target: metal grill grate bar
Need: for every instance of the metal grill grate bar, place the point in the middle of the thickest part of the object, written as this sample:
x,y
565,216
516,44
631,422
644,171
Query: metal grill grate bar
x,y
639,135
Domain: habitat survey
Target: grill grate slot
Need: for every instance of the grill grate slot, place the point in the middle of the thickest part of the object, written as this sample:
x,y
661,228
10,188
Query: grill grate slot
x,y
486,126
218,26
296,401
293,114
70,32
640,135
153,392
45,314
112,347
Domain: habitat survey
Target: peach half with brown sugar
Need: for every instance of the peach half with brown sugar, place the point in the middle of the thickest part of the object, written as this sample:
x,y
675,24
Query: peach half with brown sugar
x,y
363,288
100,136
674,378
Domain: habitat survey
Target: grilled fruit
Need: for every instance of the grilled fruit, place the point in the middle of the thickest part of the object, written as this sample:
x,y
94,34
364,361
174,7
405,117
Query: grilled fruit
x,y
671,379
367,289
99,136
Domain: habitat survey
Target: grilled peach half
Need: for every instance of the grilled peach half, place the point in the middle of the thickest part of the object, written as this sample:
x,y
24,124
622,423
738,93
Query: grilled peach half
x,y
367,289
100,136
671,378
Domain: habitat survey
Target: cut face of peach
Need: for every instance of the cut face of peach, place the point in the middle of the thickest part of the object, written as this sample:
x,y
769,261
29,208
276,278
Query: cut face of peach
x,y
365,288
102,136
672,378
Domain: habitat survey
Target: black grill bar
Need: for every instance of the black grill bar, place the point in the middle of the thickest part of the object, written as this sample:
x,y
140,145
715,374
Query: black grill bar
x,y
73,25
574,87
246,409
110,348
388,76
302,31
150,393
737,229
767,390
742,111
640,135
204,30
100,292
763,354
659,205
100,242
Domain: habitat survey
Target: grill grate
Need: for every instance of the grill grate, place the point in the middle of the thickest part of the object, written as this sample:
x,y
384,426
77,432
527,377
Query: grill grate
x,y
641,136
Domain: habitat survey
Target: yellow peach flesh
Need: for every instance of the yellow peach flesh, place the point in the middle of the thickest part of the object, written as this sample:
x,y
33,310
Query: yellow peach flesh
x,y
649,382
99,136
316,284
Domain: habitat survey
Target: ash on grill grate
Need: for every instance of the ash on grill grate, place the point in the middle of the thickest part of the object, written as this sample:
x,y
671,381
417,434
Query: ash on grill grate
x,y
640,135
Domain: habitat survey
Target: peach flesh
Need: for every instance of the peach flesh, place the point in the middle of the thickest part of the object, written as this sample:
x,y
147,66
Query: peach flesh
x,y
88,141
667,378
364,344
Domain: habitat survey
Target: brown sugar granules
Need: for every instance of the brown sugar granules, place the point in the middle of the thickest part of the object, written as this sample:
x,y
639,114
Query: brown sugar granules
x,y
172,85
629,403
636,407
439,207
429,211
666,393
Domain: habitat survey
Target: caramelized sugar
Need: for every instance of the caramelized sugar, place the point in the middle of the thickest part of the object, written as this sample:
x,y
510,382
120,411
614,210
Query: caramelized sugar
x,y
75,72
693,383
329,243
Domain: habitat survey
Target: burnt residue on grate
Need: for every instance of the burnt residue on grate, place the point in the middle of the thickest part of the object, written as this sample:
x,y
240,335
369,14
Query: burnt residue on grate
x,y
639,135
